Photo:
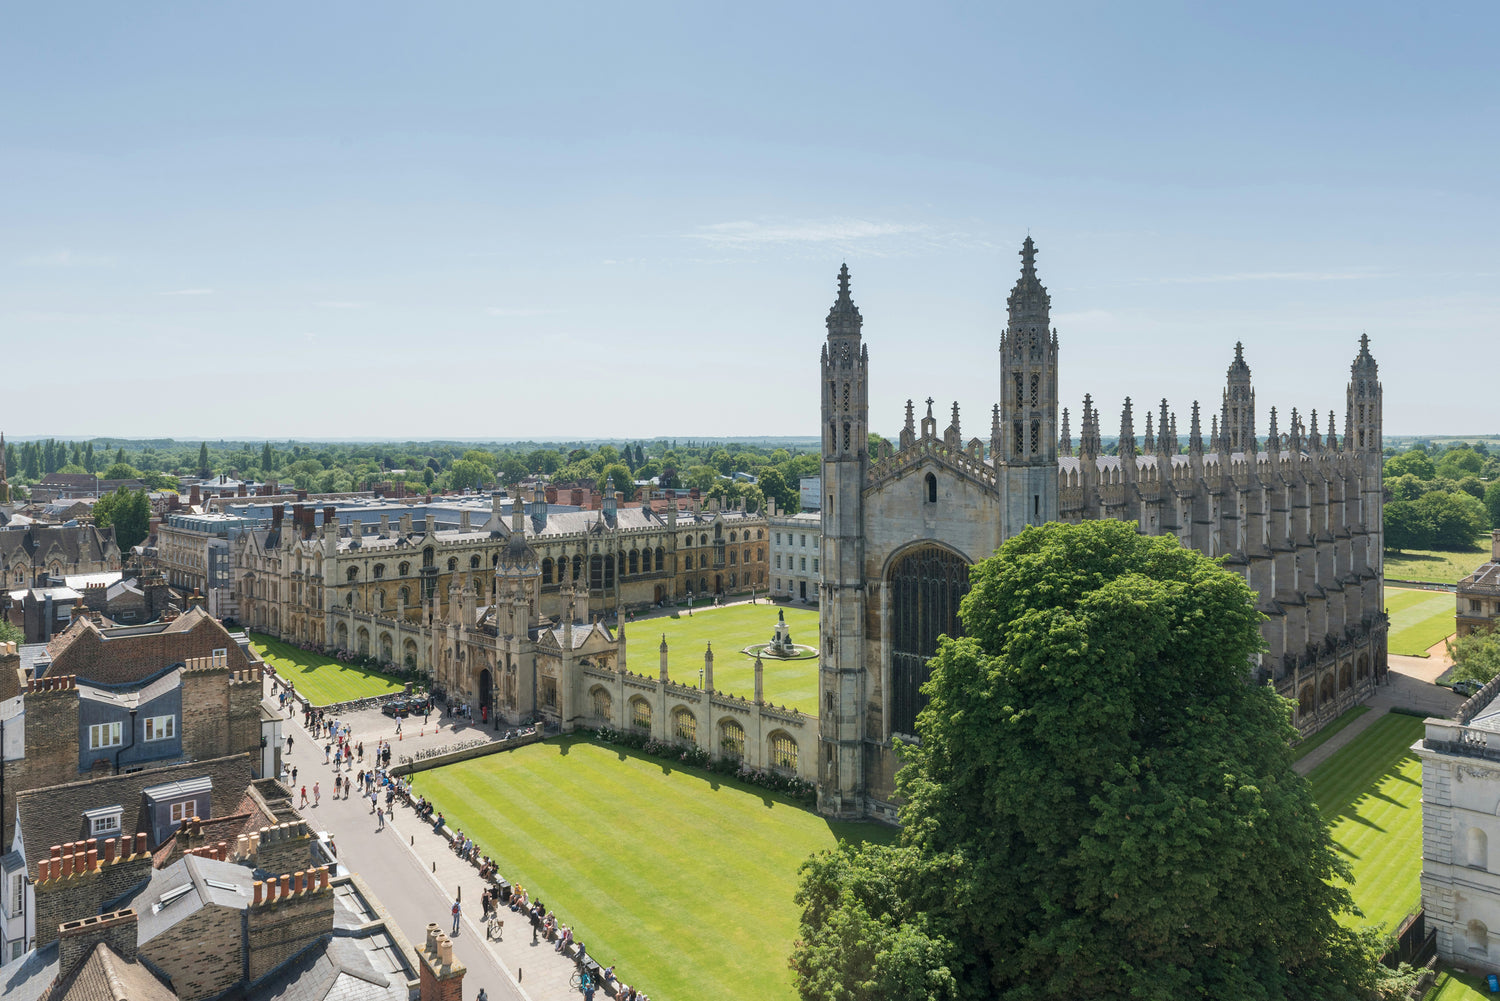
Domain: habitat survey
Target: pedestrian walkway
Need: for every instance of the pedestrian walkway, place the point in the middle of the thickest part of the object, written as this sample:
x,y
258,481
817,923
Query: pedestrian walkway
x,y
1408,685
417,876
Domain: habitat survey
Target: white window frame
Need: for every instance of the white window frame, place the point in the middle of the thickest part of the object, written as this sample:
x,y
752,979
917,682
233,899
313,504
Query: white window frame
x,y
107,824
15,894
105,735
185,810
156,724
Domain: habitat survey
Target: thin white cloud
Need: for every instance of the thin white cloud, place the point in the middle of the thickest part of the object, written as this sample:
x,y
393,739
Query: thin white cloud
x,y
745,233
1269,276
343,304
520,311
66,259
189,291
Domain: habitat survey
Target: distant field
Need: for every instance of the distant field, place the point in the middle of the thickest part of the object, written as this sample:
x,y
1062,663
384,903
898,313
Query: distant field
x,y
1418,619
793,684
1370,792
1436,566
322,680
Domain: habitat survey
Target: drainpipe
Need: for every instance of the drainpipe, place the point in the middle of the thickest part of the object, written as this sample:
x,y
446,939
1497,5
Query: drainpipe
x,y
126,747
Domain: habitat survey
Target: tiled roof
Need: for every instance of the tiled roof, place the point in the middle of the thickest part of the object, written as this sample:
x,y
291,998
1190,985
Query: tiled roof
x,y
36,543
30,977
133,653
104,976
203,881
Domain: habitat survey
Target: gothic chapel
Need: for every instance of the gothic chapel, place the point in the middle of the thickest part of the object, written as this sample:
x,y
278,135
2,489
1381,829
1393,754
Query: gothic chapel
x,y
1298,513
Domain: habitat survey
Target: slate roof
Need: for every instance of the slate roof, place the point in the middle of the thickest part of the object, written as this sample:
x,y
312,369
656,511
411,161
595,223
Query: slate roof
x,y
341,970
54,815
131,698
126,654
186,887
104,976
72,544
28,978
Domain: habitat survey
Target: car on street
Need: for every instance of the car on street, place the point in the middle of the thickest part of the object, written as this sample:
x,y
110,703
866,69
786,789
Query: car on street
x,y
1466,687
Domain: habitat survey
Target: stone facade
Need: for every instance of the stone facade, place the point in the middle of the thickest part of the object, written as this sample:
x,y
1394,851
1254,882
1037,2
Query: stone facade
x,y
1460,870
1299,516
375,589
796,556
1479,593
29,555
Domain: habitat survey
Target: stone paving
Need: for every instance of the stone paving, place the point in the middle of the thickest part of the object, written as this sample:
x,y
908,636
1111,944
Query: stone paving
x,y
419,878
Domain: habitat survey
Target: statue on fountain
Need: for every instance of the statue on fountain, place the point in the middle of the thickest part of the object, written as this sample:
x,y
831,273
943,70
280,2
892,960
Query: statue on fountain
x,y
781,642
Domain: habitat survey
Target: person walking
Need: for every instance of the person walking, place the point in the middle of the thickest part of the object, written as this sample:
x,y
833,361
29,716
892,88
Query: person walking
x,y
338,785
289,745
380,818
304,795
294,775
457,910
317,794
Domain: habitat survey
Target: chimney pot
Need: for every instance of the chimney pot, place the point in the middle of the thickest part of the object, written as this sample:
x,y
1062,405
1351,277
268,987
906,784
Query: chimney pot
x,y
140,842
286,884
93,857
432,938
259,891
56,851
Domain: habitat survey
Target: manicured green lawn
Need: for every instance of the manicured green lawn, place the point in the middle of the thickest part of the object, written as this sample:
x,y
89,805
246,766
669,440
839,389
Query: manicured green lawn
x,y
1317,740
1370,792
322,680
1436,566
790,683
1452,986
1418,619
682,878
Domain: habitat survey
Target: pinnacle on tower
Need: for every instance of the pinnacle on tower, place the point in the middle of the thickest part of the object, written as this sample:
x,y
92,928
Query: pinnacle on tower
x,y
1273,439
955,418
1065,444
1028,257
911,424
1088,441
1195,432
1314,440
1164,432
1214,442
844,316
1333,441
1127,430
1149,445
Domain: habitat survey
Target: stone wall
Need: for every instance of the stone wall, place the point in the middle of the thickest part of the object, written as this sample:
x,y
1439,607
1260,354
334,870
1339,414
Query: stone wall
x,y
288,913
203,953
80,878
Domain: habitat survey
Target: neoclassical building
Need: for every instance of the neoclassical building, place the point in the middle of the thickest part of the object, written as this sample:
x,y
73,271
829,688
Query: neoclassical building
x,y
1298,513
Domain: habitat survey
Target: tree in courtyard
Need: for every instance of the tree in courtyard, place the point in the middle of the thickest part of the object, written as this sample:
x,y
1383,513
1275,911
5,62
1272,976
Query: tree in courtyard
x,y
10,633
1100,806
128,512
1476,657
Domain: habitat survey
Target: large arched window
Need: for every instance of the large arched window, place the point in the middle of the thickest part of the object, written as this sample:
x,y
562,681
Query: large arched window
x,y
661,558
635,561
732,738
640,714
547,570
931,489
783,751
926,585
684,725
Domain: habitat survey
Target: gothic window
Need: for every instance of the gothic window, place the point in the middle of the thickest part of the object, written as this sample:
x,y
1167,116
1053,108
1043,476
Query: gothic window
x,y
452,564
405,596
732,554
732,738
846,397
1036,435
547,570
931,489
747,556
379,570
495,560
640,714
661,558
353,574
1020,396
427,557
577,567
635,562
1036,381
473,562
702,540
603,706
734,581
702,561
684,725
783,751
926,586
1018,438
380,598
846,436
596,572
760,553
404,569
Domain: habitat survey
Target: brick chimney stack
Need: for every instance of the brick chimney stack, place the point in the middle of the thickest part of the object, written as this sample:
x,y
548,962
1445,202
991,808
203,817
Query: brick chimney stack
x,y
76,939
442,974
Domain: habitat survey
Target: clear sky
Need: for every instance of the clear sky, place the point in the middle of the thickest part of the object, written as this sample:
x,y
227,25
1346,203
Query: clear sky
x,y
397,220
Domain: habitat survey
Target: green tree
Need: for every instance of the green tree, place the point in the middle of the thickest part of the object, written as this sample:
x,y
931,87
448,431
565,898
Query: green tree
x,y
427,477
468,473
89,463
1456,518
1100,806
267,459
10,633
128,512
121,471
1456,463
1414,462
774,485
203,469
624,482
1473,486
1492,502
1476,657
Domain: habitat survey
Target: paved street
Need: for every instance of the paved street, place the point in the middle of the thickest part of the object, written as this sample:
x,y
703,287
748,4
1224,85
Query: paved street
x,y
399,863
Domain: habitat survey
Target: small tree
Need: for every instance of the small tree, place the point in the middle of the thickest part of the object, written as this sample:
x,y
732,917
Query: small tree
x,y
1476,657
128,512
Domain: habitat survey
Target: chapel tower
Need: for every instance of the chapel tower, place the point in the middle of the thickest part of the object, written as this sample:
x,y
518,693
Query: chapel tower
x,y
1027,420
1362,434
1239,405
846,436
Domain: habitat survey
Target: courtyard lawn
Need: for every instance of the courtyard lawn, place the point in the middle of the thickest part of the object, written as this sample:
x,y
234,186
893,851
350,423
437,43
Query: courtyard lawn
x,y
790,683
1370,792
1318,739
681,877
1436,566
322,680
1418,619
1453,986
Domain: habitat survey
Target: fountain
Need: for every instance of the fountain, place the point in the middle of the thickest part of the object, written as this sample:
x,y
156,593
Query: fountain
x,y
781,646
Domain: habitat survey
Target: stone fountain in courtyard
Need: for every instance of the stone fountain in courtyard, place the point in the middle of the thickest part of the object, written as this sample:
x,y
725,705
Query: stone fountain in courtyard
x,y
781,646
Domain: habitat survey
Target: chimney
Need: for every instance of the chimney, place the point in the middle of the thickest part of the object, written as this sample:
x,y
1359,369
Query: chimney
x,y
76,939
195,497
277,512
442,974
244,490
330,515
385,525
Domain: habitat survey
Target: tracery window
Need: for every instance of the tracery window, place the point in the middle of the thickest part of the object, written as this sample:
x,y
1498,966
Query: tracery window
x,y
684,725
640,714
353,574
452,564
732,738
379,570
783,751
473,562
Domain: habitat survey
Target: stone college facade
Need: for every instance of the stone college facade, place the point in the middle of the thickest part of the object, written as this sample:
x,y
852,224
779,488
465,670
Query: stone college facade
x,y
1298,514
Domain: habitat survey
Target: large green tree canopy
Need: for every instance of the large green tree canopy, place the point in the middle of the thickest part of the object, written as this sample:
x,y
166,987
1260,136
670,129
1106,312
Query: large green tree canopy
x,y
1100,805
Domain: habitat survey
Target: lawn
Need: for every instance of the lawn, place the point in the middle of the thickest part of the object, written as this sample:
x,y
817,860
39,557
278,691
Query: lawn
x,y
682,878
1418,619
1370,792
1453,986
322,680
1436,566
790,683
1318,739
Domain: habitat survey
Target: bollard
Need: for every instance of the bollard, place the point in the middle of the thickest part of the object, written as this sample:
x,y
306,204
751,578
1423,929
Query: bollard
x,y
460,894
414,841
520,974
434,866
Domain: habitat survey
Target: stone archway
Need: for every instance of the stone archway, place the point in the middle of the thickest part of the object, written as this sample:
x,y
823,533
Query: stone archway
x,y
486,694
1326,691
1307,699
343,636
409,654
363,637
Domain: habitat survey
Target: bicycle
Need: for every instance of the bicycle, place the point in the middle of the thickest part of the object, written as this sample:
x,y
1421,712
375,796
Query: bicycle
x,y
580,981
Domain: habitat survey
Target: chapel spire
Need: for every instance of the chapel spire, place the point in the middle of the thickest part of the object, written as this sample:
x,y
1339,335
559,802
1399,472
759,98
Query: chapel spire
x,y
1065,446
844,317
1195,432
1127,430
1238,426
1089,445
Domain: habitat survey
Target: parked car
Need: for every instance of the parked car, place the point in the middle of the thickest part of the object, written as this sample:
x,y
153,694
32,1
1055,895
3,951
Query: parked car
x,y
396,708
1467,688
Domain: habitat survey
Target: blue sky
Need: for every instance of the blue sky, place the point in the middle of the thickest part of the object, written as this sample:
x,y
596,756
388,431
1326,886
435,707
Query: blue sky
x,y
414,221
